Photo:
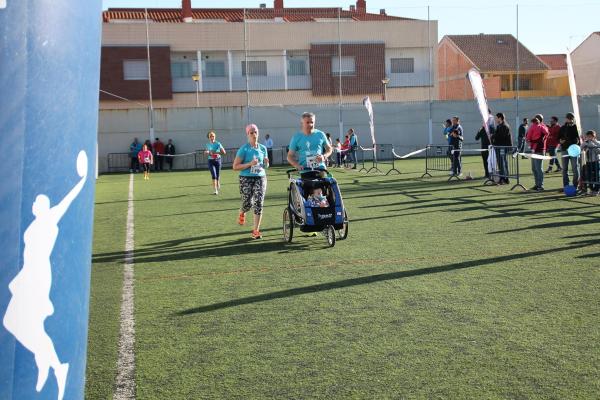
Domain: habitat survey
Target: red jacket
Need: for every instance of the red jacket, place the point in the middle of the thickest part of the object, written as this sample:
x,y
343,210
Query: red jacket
x,y
553,131
536,137
159,147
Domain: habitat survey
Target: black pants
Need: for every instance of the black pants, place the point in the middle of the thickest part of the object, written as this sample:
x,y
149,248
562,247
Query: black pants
x,y
170,162
484,156
158,163
270,155
135,164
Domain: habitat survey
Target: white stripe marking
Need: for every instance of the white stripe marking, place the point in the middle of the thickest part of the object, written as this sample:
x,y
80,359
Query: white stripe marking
x,y
125,382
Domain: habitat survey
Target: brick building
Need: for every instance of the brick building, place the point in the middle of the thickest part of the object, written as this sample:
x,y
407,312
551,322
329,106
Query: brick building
x,y
281,55
495,56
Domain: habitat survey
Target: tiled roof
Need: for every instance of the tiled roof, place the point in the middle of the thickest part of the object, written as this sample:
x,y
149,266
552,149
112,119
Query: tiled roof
x,y
237,14
554,61
497,52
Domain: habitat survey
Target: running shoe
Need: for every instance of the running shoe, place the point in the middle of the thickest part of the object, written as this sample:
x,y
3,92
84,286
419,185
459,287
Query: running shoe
x,y
256,235
242,219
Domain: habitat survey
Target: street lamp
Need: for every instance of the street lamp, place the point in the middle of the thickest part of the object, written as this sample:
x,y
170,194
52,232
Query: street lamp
x,y
196,78
385,82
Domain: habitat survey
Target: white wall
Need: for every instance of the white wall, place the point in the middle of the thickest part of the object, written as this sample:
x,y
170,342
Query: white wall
x,y
403,124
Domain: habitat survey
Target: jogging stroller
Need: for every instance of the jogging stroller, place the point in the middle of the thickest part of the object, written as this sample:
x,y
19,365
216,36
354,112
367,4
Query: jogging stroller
x,y
332,221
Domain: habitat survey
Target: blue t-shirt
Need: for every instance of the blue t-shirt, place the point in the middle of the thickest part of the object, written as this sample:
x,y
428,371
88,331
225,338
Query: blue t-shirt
x,y
214,149
307,147
246,153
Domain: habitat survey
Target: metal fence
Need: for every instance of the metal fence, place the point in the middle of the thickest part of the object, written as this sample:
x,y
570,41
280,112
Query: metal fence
x,y
590,170
506,168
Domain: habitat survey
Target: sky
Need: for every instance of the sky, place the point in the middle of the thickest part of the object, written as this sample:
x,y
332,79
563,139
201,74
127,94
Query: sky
x,y
545,27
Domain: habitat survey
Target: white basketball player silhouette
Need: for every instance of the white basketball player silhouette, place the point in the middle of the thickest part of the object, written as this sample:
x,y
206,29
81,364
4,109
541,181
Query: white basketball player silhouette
x,y
30,304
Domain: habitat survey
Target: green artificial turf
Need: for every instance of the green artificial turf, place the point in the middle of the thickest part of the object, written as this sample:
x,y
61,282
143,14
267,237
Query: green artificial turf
x,y
442,290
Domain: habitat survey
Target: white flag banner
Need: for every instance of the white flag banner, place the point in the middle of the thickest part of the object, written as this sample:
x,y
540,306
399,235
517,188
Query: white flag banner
x,y
573,89
479,93
369,107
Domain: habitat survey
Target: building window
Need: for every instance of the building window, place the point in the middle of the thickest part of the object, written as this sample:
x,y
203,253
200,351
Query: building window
x,y
505,84
403,65
524,83
214,69
135,70
255,68
297,67
348,66
181,69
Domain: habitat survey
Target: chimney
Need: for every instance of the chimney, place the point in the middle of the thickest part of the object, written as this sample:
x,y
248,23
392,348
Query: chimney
x,y
382,11
263,5
278,5
361,6
352,8
186,11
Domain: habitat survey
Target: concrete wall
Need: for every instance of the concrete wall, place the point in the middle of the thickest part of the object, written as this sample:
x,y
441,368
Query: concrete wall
x,y
403,124
586,64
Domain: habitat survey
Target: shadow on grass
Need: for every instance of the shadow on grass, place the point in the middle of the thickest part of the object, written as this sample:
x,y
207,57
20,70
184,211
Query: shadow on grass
x,y
322,287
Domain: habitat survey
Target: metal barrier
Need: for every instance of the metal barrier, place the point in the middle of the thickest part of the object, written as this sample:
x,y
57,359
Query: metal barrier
x,y
437,158
118,162
364,156
507,167
590,170
385,155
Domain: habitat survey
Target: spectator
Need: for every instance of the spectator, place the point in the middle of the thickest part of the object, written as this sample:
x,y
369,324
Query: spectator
x,y
159,150
455,127
330,142
552,143
269,145
522,132
503,139
447,130
134,149
536,137
170,150
353,147
345,150
338,153
491,122
485,144
590,171
569,135
456,143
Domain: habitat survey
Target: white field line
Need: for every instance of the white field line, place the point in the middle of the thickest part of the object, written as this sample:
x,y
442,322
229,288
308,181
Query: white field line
x,y
125,381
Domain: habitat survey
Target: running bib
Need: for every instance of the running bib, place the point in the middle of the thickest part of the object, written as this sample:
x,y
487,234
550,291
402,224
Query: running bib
x,y
311,162
146,159
256,169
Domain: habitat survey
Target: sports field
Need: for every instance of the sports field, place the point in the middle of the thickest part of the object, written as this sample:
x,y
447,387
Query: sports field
x,y
442,290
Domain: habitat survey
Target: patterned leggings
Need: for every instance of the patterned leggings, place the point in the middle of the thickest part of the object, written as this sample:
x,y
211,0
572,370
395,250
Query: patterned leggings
x,y
253,190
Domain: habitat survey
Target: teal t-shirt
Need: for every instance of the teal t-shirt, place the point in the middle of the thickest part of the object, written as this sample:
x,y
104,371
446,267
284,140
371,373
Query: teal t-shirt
x,y
214,149
246,153
307,147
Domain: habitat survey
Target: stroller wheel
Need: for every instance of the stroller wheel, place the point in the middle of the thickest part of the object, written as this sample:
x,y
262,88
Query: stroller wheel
x,y
288,225
330,235
343,233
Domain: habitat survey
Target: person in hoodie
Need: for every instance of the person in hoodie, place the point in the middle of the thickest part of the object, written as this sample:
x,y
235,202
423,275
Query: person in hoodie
x,y
536,137
592,148
485,144
503,139
569,135
456,142
552,143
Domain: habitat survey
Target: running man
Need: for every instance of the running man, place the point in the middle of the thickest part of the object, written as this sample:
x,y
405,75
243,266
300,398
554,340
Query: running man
x,y
309,148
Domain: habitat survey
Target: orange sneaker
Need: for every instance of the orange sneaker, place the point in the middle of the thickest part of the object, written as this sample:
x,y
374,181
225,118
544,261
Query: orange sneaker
x,y
242,219
256,235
